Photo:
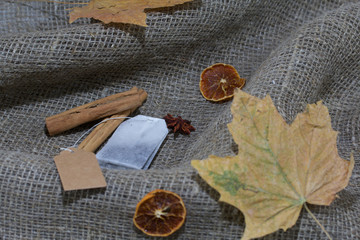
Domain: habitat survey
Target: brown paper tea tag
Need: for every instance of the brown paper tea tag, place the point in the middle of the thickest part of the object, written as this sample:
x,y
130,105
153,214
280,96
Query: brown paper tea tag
x,y
79,170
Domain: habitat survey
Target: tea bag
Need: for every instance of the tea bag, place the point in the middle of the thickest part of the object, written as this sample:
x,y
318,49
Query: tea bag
x,y
134,144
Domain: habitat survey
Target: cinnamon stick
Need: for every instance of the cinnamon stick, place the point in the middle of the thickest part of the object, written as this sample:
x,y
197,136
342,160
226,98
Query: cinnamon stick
x,y
105,129
98,109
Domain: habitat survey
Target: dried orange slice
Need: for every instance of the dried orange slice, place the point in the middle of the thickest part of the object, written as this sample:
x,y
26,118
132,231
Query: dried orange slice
x,y
160,213
219,81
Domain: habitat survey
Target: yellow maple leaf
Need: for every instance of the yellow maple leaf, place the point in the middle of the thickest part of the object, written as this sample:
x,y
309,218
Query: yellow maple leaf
x,y
120,11
279,167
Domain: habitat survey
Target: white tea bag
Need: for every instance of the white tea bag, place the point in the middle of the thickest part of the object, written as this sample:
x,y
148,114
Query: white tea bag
x,y
134,143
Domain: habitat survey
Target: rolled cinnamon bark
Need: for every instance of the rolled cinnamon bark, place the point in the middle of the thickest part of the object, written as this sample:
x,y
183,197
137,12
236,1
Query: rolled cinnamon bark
x,y
105,129
98,109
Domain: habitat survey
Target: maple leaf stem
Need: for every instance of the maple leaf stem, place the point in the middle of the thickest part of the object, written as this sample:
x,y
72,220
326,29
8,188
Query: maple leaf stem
x,y
317,221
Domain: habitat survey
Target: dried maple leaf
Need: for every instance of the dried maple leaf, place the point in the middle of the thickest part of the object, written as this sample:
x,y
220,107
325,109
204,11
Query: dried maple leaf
x,y
279,167
120,11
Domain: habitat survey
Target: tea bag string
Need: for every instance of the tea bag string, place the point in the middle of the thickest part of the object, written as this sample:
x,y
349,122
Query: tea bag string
x,y
92,128
88,131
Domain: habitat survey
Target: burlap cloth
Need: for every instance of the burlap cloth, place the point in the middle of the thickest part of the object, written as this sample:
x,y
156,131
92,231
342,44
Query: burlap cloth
x,y
297,51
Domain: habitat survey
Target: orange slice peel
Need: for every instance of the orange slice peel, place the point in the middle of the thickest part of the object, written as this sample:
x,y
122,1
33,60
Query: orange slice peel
x,y
160,213
218,82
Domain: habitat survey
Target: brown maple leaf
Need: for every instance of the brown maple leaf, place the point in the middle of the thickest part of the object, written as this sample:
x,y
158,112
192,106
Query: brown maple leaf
x,y
279,167
120,11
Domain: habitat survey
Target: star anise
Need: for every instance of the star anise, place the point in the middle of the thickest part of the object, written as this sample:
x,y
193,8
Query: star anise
x,y
178,124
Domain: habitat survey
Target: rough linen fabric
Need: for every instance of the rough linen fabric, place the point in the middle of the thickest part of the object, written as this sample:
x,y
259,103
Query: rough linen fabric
x,y
297,51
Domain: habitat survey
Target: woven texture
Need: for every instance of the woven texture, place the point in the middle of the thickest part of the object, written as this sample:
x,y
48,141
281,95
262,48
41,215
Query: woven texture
x,y
299,52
